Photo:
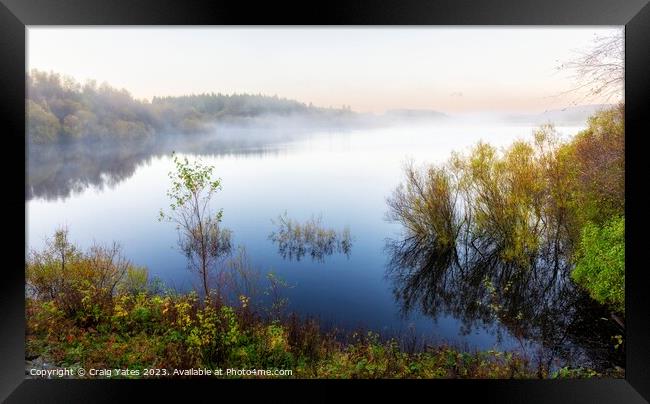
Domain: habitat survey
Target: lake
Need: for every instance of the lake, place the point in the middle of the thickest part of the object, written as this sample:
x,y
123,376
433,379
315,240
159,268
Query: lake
x,y
343,176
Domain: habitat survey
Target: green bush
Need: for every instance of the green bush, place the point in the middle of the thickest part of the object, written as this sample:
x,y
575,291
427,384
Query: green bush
x,y
81,283
600,263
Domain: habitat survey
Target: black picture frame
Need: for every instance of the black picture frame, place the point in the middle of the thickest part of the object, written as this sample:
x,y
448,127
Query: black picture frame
x,y
15,15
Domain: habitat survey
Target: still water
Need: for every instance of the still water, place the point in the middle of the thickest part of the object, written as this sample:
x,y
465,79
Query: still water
x,y
344,177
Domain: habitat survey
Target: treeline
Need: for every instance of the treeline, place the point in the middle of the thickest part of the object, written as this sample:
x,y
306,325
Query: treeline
x,y
60,109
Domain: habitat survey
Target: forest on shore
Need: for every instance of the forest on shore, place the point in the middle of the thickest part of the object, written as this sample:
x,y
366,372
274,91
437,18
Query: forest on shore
x,y
59,109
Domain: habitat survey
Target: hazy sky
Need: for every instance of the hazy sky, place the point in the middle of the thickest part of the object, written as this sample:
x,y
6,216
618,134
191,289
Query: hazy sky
x,y
372,70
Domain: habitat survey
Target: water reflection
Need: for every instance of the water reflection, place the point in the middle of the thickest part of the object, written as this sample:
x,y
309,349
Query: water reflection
x,y
295,240
57,171
555,322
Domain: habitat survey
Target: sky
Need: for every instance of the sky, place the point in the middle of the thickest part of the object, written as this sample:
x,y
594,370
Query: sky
x,y
449,69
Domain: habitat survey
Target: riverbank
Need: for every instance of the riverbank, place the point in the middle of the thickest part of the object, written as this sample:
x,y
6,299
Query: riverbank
x,y
178,332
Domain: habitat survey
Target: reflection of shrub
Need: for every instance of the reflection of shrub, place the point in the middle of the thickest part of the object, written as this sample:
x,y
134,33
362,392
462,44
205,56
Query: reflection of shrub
x,y
295,239
600,266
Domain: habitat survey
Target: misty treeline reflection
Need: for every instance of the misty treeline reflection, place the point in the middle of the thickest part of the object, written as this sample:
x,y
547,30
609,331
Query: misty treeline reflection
x,y
488,239
56,171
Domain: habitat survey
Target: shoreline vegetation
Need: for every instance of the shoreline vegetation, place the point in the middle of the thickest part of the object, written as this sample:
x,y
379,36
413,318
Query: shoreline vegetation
x,y
542,209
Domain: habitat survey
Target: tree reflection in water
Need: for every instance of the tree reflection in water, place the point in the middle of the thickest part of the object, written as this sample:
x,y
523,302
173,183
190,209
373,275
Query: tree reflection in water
x,y
58,170
441,265
295,240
